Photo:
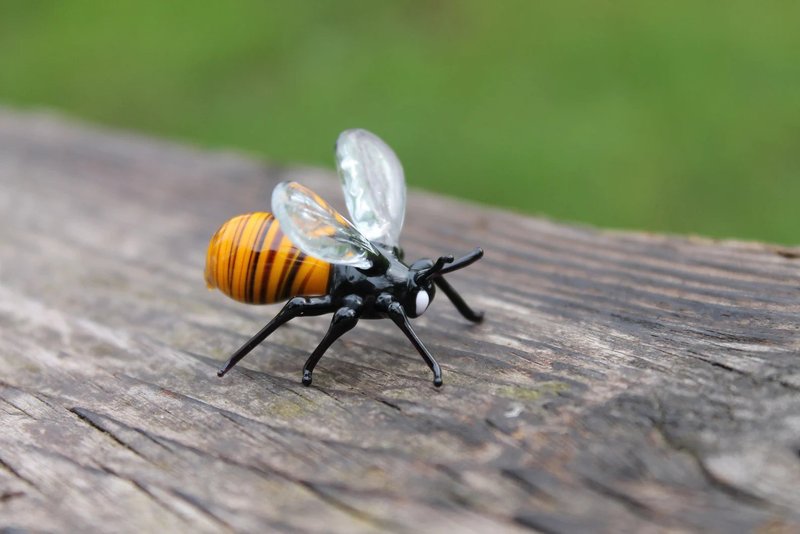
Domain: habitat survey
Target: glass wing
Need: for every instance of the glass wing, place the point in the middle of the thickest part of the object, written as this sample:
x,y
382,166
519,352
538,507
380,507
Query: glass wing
x,y
317,229
374,185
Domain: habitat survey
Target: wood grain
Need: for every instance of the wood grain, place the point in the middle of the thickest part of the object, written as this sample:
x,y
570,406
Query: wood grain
x,y
621,381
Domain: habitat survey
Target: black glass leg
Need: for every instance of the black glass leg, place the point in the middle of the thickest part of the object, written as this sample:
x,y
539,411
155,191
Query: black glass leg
x,y
458,302
343,320
396,313
296,307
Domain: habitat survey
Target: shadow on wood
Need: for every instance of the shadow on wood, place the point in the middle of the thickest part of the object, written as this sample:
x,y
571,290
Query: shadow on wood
x,y
621,381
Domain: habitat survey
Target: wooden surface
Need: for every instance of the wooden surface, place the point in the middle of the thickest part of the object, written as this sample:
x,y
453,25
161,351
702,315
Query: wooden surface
x,y
621,382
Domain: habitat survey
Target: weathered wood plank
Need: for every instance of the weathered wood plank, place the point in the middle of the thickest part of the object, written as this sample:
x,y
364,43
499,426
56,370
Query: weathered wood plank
x,y
622,381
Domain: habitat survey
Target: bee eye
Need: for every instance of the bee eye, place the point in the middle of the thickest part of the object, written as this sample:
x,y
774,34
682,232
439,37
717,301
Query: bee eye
x,y
422,301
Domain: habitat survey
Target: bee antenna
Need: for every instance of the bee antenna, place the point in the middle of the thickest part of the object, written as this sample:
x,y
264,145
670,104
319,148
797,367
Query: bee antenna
x,y
461,262
422,276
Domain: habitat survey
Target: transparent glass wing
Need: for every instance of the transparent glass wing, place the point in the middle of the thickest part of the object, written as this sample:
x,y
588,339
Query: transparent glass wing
x,y
374,185
317,229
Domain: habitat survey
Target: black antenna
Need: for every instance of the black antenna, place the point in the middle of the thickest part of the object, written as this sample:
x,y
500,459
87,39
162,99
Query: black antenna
x,y
422,276
461,262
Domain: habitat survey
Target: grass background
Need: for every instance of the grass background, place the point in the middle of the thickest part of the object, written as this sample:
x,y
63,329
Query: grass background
x,y
679,117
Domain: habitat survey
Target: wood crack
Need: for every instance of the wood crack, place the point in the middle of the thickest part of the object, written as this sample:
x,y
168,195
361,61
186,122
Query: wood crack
x,y
95,421
631,504
733,491
198,505
330,499
143,488
10,468
9,495
314,487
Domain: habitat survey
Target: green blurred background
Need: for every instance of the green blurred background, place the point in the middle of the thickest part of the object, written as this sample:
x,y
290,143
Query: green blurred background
x,y
665,116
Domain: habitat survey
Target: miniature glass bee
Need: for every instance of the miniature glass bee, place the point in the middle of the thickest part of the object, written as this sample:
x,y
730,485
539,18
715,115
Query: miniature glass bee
x,y
308,253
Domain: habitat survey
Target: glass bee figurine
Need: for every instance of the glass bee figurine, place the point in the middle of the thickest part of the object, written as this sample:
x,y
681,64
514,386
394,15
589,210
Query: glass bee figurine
x,y
308,253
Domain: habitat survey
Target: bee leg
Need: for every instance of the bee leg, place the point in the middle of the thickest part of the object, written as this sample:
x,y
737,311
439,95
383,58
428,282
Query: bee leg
x,y
343,320
458,302
396,313
296,307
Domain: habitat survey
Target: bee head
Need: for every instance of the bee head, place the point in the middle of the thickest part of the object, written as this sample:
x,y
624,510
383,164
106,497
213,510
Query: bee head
x,y
421,289
423,274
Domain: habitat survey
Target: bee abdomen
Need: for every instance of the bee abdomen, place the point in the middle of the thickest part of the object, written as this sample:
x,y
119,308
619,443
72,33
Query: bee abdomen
x,y
251,260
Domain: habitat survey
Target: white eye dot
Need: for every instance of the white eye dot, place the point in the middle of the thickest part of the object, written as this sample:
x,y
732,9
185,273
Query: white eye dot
x,y
422,302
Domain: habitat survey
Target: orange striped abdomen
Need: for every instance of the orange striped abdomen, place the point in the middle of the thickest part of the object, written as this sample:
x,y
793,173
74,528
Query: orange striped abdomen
x,y
251,260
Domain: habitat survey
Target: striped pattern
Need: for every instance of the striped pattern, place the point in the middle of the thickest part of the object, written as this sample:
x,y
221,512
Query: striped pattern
x,y
251,260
